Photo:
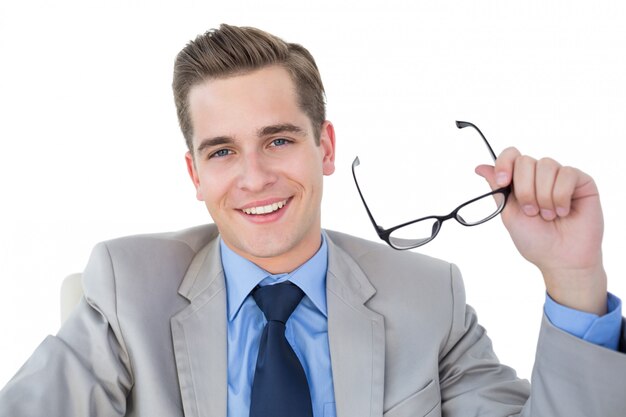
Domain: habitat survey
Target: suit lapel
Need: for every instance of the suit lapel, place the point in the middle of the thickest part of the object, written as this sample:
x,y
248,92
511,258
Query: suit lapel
x,y
199,335
356,336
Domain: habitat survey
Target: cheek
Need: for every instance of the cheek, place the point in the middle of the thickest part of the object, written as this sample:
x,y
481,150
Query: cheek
x,y
214,196
308,168
311,178
212,189
304,175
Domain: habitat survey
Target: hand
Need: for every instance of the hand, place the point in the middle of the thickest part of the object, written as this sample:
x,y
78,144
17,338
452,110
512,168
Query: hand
x,y
555,220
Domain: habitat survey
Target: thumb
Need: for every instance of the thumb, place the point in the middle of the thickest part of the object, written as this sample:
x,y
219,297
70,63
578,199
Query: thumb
x,y
489,174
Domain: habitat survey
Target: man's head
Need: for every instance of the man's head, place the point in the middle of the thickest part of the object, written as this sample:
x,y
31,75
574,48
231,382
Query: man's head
x,y
230,51
256,155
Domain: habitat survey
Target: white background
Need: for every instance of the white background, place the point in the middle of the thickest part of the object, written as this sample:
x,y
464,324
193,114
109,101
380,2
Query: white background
x,y
90,147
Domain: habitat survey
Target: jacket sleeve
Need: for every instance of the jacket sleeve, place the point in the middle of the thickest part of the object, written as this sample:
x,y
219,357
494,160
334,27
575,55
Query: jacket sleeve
x,y
571,377
84,370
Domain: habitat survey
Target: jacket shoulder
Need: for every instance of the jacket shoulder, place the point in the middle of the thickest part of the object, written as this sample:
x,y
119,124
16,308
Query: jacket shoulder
x,y
140,263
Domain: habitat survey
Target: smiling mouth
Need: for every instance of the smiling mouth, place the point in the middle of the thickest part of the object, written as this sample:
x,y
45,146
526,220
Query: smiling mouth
x,y
267,209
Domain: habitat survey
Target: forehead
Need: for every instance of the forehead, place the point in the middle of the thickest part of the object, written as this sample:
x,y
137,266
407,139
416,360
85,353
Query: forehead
x,y
244,103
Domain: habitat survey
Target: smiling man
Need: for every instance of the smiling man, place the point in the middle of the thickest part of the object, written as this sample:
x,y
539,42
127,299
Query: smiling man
x,y
264,313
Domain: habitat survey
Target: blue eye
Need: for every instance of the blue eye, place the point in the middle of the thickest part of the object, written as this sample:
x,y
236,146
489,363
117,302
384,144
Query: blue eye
x,y
280,142
220,153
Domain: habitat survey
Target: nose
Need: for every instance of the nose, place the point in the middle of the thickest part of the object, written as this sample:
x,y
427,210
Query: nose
x,y
256,173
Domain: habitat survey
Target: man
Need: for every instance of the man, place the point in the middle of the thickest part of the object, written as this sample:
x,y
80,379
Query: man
x,y
174,324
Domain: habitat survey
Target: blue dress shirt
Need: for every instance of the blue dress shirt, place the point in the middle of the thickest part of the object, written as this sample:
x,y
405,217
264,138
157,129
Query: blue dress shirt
x,y
307,328
603,331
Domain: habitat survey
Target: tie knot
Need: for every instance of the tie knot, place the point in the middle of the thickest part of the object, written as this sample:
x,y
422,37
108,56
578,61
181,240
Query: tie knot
x,y
277,302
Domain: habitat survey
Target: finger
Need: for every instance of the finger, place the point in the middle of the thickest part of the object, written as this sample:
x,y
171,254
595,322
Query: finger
x,y
504,166
545,176
489,174
524,184
564,187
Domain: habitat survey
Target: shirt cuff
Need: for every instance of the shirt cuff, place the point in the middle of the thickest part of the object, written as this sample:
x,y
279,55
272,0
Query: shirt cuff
x,y
604,331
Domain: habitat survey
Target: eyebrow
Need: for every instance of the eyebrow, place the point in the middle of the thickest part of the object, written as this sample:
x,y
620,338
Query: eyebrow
x,y
279,128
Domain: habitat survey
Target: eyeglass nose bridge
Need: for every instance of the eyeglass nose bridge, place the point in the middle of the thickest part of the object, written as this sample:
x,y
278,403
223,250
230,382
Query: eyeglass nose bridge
x,y
457,216
440,219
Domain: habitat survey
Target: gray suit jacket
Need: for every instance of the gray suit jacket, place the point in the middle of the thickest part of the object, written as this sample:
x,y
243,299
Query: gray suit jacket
x,y
149,339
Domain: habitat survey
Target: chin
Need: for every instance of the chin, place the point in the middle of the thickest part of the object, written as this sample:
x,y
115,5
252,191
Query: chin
x,y
267,247
258,245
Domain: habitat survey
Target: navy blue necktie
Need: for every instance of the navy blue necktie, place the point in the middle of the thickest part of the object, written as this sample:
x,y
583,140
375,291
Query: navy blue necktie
x,y
280,388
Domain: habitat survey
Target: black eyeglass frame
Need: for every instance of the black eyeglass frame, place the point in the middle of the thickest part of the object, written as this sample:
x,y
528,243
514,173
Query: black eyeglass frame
x,y
385,234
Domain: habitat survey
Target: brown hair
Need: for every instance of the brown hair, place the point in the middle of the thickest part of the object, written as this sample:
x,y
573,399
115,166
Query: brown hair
x,y
232,50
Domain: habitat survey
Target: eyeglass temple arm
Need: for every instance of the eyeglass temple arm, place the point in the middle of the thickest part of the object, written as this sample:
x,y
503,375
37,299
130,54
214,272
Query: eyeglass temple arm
x,y
461,125
356,163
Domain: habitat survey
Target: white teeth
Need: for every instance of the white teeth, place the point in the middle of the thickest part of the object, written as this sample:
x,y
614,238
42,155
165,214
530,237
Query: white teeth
x,y
265,209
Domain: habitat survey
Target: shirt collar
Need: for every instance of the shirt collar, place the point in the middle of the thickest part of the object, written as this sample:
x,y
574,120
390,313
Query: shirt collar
x,y
243,275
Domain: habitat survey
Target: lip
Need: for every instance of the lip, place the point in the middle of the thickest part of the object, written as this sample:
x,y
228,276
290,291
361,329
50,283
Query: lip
x,y
265,218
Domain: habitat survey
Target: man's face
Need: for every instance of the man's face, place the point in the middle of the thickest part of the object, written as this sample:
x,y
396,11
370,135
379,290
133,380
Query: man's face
x,y
257,167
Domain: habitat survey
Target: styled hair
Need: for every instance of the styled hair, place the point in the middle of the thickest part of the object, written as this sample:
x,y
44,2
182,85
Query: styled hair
x,y
232,50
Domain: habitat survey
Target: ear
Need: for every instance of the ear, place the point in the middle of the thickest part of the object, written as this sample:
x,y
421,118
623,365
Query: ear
x,y
327,147
193,174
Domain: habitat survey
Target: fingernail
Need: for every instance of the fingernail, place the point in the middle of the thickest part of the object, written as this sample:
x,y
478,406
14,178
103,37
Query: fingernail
x,y
562,212
530,210
502,178
547,214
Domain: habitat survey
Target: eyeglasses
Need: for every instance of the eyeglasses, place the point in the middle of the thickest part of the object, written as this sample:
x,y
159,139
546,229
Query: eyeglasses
x,y
418,232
